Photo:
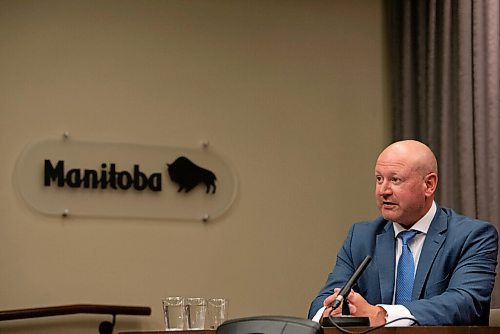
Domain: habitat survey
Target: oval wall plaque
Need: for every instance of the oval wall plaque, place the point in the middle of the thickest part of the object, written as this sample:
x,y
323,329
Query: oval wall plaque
x,y
68,177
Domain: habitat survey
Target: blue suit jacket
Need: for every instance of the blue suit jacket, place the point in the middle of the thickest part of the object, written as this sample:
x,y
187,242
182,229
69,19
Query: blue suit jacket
x,y
454,277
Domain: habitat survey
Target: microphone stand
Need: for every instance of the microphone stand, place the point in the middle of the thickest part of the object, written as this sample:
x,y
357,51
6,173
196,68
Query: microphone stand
x,y
346,320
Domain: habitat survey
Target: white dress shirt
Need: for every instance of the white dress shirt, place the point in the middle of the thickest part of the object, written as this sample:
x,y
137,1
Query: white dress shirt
x,y
415,244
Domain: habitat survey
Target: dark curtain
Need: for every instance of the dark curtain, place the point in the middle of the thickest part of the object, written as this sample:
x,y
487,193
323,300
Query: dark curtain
x,y
445,75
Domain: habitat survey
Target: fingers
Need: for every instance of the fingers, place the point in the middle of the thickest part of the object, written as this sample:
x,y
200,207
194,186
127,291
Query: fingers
x,y
328,312
352,309
358,306
329,300
354,297
327,303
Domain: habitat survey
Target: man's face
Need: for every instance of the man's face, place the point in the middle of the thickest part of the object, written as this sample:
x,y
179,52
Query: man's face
x,y
399,191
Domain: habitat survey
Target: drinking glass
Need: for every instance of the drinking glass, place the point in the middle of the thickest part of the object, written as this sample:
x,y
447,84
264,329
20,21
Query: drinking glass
x,y
196,309
217,312
174,312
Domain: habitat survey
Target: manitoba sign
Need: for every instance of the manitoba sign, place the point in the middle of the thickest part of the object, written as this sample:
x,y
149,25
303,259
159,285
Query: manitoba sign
x,y
79,178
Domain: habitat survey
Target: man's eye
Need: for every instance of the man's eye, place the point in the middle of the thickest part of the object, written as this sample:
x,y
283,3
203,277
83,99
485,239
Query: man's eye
x,y
396,180
379,179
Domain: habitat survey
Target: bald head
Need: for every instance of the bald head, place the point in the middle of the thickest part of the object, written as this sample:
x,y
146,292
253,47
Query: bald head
x,y
406,180
414,154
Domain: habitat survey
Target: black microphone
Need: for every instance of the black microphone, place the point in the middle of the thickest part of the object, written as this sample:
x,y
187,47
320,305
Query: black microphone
x,y
348,286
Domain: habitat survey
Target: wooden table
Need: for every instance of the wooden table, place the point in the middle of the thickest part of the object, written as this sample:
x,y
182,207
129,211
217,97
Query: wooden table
x,y
385,330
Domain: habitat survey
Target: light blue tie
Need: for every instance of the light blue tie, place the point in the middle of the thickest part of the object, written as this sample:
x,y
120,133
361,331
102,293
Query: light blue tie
x,y
406,269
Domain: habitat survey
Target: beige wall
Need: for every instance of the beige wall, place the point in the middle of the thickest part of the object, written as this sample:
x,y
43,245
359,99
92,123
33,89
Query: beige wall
x,y
293,94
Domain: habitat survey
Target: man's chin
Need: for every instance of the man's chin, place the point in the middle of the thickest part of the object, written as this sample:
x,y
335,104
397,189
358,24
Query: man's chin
x,y
389,215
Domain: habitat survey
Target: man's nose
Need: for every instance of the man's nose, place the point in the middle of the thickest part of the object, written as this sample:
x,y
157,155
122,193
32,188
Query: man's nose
x,y
385,188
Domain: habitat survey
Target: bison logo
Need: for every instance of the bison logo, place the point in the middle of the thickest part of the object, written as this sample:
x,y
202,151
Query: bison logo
x,y
188,175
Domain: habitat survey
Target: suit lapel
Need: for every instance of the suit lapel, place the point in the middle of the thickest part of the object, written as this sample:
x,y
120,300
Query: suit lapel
x,y
385,257
433,241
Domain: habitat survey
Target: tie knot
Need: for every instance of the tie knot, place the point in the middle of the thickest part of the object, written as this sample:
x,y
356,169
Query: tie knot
x,y
406,236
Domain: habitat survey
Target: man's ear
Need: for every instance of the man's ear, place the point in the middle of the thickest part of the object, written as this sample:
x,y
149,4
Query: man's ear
x,y
431,181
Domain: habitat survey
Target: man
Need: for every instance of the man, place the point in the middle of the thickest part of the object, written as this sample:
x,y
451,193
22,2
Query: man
x,y
447,266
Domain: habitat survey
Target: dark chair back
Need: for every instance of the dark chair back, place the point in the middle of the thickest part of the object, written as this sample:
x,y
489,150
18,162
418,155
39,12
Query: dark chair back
x,y
270,325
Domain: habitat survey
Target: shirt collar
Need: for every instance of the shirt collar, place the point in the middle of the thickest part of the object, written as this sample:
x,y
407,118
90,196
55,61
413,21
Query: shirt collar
x,y
422,225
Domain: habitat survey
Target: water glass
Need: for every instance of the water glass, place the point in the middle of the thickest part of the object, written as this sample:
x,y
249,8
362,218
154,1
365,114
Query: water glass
x,y
196,309
217,312
174,313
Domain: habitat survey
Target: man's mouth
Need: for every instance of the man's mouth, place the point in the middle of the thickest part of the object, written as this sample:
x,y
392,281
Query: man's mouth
x,y
388,204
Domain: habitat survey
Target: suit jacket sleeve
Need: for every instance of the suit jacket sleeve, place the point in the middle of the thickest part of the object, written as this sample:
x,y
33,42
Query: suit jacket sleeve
x,y
341,273
466,265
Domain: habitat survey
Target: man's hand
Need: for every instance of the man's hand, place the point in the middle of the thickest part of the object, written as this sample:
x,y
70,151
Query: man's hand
x,y
359,307
327,303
